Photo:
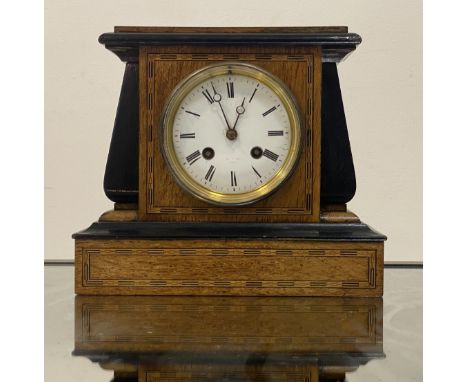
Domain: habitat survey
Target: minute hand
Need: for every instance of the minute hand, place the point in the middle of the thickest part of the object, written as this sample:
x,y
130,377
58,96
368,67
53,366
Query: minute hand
x,y
217,99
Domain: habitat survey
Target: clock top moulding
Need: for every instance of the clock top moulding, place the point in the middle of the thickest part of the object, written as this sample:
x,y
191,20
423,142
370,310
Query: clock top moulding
x,y
337,182
336,43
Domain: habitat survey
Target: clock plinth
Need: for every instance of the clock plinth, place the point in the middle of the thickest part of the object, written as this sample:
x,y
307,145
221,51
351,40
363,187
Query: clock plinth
x,y
299,241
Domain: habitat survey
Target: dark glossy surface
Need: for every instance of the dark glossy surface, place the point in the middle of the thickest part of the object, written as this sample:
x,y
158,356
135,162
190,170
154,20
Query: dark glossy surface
x,y
220,231
121,176
233,339
335,46
338,179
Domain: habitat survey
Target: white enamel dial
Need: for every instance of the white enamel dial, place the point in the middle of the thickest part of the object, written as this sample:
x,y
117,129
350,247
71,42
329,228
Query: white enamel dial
x,y
231,135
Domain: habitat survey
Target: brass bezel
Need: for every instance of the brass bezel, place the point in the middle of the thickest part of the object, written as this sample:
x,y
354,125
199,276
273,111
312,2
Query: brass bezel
x,y
167,122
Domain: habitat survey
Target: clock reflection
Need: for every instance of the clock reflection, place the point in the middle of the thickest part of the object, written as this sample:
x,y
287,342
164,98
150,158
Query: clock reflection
x,y
228,338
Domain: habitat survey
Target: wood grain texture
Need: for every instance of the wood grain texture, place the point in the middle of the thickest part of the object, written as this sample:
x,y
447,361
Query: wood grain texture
x,y
214,325
339,217
227,372
229,338
228,267
161,199
119,216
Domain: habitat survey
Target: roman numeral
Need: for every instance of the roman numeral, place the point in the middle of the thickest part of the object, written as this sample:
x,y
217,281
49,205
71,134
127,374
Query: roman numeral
x,y
275,133
230,89
233,179
210,173
255,90
208,96
192,158
187,135
191,112
256,172
269,111
270,155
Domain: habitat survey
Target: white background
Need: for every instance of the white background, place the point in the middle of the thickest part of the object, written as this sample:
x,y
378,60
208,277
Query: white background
x,y
444,184
381,85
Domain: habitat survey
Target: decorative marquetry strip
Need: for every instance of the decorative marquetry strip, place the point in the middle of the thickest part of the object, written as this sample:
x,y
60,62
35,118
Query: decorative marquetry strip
x,y
231,375
316,252
168,210
348,253
348,340
190,251
233,340
284,252
263,211
231,57
295,57
126,283
232,211
252,252
150,137
159,308
309,142
150,195
317,284
221,308
222,283
151,202
150,101
253,284
285,283
199,57
190,283
95,272
168,57
155,251
125,251
234,252
199,210
220,251
219,339
263,56
150,69
227,284
295,210
372,275
273,308
349,284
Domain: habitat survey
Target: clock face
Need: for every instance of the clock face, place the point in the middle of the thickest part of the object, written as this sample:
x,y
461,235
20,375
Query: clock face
x,y
231,134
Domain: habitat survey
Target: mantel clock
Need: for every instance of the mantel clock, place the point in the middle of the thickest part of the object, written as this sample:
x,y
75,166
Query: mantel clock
x,y
230,168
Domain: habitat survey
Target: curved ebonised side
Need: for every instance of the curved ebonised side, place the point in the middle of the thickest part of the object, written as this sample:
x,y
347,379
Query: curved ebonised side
x,y
338,180
121,175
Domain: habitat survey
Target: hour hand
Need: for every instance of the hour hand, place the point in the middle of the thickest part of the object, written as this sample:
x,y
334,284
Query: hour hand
x,y
239,110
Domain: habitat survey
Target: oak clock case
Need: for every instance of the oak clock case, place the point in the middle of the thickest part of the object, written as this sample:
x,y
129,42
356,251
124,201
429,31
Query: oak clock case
x,y
294,81
230,168
235,167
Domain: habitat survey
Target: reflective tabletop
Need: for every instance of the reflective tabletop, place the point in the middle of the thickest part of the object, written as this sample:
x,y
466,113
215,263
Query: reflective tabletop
x,y
117,338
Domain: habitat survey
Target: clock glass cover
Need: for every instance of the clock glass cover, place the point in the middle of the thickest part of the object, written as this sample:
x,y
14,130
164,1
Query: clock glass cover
x,y
231,133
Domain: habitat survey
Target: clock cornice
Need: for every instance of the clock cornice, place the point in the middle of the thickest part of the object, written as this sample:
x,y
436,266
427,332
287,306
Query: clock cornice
x,y
336,42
